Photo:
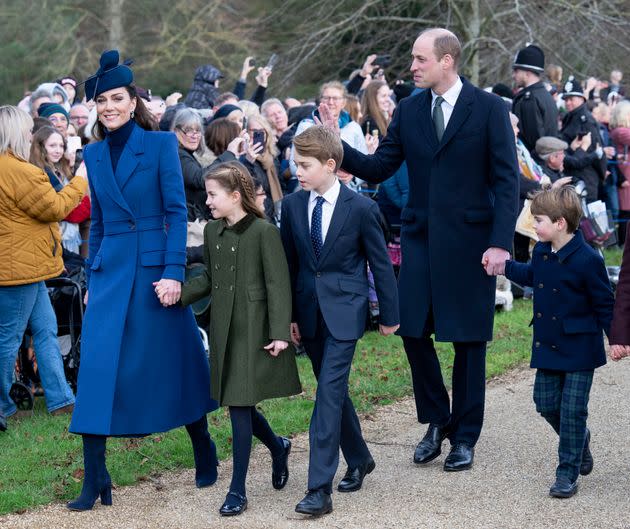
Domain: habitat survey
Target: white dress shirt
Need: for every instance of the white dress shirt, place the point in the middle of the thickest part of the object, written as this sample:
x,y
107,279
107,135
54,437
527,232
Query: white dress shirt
x,y
450,98
328,206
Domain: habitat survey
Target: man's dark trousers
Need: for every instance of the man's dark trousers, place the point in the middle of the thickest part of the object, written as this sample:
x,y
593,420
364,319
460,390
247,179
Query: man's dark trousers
x,y
468,383
334,421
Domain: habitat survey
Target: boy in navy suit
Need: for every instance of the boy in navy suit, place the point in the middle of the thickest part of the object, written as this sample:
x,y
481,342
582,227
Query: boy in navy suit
x,y
329,234
573,303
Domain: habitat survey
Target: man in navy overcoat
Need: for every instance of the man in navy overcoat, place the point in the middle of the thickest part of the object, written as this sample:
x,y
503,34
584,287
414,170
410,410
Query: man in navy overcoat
x,y
462,209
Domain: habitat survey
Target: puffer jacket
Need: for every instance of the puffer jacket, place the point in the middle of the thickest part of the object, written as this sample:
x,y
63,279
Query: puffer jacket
x,y
30,209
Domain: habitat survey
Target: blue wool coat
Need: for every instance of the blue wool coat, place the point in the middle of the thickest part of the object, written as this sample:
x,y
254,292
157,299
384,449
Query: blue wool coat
x,y
463,198
573,304
143,367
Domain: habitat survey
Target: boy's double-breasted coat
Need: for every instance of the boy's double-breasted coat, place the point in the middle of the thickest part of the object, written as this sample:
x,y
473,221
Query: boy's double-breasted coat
x,y
143,367
248,279
573,304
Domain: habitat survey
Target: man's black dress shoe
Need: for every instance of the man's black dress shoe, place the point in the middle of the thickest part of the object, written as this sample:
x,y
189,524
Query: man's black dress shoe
x,y
431,444
279,477
353,479
233,505
586,467
460,457
563,488
315,503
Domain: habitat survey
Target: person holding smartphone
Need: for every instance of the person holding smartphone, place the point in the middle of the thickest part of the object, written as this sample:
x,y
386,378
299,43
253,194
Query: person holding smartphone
x,y
264,166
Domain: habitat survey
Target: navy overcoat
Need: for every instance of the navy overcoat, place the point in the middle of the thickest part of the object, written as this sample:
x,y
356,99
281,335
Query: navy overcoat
x,y
573,305
463,199
143,367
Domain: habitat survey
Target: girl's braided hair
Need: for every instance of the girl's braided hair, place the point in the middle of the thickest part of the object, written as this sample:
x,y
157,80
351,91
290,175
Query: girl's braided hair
x,y
234,176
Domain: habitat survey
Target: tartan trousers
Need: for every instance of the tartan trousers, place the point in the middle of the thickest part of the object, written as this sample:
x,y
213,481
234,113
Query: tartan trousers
x,y
561,397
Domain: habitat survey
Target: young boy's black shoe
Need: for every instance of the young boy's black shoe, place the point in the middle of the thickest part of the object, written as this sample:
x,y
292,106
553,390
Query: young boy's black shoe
x,y
563,488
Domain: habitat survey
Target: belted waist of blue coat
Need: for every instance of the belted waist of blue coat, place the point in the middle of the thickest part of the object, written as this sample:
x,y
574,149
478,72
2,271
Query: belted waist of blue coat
x,y
119,227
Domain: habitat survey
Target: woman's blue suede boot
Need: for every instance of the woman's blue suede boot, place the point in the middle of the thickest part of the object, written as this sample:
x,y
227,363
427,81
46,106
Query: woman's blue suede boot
x,y
204,451
96,481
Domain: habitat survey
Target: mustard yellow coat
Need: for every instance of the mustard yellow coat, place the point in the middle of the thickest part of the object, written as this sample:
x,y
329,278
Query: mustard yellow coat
x,y
30,209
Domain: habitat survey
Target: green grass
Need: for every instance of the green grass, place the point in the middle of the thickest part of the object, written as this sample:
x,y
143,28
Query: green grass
x,y
41,462
613,256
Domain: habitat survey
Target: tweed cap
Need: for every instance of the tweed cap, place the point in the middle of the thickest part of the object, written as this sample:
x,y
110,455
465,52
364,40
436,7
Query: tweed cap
x,y
550,144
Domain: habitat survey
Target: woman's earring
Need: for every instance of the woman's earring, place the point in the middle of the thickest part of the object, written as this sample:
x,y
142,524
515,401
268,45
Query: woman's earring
x,y
132,114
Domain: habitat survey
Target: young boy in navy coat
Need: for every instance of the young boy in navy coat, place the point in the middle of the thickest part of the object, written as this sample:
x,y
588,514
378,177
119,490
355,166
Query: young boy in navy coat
x,y
573,303
329,234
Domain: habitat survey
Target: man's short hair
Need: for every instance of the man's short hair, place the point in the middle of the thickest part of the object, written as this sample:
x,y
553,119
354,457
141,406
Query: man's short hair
x,y
337,85
320,143
225,96
268,102
558,203
445,43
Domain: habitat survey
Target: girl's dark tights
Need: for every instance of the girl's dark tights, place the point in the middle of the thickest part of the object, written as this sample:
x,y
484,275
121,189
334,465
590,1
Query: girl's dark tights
x,y
247,421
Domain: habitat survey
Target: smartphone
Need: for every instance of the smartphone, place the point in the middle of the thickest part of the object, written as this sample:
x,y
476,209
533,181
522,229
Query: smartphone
x,y
258,137
383,60
273,60
252,62
74,143
78,158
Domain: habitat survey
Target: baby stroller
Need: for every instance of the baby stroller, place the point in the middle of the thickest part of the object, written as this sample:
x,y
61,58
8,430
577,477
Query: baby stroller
x,y
66,295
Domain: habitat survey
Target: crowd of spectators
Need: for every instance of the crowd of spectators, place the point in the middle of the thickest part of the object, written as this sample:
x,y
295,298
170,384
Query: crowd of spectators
x,y
569,128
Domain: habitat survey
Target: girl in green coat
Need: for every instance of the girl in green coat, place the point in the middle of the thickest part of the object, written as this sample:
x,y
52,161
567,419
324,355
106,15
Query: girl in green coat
x,y
248,278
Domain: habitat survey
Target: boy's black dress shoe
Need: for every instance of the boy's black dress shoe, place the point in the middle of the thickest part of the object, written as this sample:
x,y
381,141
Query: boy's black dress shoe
x,y
586,467
315,503
233,505
460,457
563,488
280,476
431,444
353,479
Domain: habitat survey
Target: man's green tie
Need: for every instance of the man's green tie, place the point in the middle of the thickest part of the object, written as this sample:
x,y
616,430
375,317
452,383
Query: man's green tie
x,y
438,118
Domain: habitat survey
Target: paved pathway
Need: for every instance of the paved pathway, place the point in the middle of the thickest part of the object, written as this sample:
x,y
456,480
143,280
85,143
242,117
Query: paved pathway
x,y
507,488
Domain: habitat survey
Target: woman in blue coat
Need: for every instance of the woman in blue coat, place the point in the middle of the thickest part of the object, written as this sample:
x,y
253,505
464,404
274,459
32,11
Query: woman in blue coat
x,y
143,366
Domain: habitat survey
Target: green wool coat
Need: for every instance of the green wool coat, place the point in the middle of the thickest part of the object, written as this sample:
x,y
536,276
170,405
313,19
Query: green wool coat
x,y
247,278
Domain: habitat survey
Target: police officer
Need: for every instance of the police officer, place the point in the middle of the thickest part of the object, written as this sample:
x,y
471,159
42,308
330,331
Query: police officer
x,y
533,104
576,124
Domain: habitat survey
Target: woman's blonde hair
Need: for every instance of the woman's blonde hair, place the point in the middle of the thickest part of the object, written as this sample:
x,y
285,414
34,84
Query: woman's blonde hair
x,y
15,125
620,115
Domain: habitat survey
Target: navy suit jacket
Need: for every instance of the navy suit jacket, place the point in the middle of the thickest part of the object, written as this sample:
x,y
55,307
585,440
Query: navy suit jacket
x,y
573,304
463,199
337,283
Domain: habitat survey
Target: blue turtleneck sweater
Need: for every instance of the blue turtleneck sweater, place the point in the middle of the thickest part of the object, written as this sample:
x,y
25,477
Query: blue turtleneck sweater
x,y
117,140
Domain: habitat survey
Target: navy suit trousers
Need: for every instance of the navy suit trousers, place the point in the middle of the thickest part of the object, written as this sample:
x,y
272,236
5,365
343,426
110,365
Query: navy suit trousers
x,y
334,422
468,383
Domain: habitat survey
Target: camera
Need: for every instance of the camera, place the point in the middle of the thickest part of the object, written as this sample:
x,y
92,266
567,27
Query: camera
x,y
252,62
382,60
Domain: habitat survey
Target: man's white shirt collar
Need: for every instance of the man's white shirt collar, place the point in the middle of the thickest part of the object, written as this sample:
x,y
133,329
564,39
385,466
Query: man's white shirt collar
x,y
451,95
331,195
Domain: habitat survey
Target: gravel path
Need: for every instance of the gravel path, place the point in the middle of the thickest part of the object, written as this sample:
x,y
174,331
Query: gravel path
x,y
507,488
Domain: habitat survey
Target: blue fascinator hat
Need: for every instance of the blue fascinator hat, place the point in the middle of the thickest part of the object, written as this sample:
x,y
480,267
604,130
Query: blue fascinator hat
x,y
109,75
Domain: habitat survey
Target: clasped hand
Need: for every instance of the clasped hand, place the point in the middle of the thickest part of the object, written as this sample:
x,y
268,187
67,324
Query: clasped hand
x,y
493,261
168,291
